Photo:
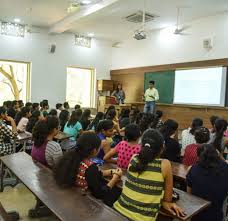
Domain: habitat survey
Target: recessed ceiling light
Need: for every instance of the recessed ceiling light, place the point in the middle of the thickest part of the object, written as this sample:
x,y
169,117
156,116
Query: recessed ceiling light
x,y
17,20
86,2
91,34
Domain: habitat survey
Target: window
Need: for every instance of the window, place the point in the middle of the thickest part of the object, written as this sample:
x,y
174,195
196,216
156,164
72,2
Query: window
x,y
80,87
14,80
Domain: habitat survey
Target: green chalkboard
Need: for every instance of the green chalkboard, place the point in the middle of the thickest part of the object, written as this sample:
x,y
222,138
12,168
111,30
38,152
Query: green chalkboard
x,y
164,82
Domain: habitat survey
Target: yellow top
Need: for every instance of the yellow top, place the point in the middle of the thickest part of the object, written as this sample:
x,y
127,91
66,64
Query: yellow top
x,y
142,194
151,92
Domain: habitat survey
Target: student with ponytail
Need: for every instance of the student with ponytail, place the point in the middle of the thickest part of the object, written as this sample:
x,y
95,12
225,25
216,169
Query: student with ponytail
x,y
148,178
76,168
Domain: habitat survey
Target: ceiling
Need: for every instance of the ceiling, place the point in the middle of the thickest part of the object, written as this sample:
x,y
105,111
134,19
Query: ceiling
x,y
108,23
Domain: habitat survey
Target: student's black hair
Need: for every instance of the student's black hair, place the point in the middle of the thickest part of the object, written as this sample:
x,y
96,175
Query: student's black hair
x,y
45,102
157,117
74,118
202,135
32,120
28,104
111,115
66,105
95,122
58,106
146,121
220,128
213,118
7,104
2,110
152,145
117,89
21,104
109,108
43,128
139,118
132,132
14,103
169,128
67,167
53,112
125,113
209,159
77,106
197,122
85,115
35,106
63,118
41,104
22,113
134,114
104,125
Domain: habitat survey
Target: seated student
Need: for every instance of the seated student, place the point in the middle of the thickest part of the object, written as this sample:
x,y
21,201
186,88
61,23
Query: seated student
x,y
113,117
29,105
126,149
36,116
157,122
150,182
124,118
73,126
45,150
145,122
59,108
188,134
208,179
63,118
109,108
133,115
212,121
53,112
7,135
105,130
20,103
44,108
77,106
93,125
219,141
22,118
202,135
85,119
35,107
13,109
76,168
172,150
66,106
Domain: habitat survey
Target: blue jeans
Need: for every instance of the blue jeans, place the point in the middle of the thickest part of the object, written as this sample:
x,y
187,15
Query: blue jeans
x,y
149,107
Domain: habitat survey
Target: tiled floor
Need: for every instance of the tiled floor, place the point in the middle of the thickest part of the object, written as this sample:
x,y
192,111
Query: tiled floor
x,y
21,200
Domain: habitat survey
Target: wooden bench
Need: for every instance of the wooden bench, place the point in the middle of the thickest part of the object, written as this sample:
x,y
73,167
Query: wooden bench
x,y
66,204
192,205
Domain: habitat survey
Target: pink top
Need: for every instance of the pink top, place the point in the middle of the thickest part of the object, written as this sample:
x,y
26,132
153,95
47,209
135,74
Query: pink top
x,y
125,152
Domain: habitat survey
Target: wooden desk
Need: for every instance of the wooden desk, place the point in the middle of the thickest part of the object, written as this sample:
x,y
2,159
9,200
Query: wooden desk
x,y
179,170
22,138
62,136
66,204
192,205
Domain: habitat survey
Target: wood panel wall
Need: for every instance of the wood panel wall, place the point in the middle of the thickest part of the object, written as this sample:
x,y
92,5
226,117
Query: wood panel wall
x,y
132,80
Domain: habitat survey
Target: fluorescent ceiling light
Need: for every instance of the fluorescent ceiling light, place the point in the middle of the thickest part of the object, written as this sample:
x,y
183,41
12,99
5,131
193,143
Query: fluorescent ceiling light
x,y
91,34
17,20
86,2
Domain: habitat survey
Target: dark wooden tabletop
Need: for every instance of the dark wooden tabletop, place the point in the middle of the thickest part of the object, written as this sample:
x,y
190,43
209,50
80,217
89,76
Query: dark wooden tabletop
x,y
66,204
179,170
62,136
192,205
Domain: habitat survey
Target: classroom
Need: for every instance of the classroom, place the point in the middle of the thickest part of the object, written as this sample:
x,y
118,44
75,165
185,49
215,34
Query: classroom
x,y
113,110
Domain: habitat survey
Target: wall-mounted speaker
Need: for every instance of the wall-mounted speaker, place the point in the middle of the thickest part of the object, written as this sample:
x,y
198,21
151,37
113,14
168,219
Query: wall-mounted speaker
x,y
52,48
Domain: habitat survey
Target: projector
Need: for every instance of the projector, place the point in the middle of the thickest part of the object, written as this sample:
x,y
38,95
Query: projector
x,y
140,35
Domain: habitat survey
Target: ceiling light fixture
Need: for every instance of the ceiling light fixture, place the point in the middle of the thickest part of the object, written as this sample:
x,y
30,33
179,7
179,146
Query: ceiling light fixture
x,y
91,34
17,20
13,29
86,2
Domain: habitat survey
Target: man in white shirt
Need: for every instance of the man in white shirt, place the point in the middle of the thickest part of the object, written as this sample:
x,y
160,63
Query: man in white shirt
x,y
151,96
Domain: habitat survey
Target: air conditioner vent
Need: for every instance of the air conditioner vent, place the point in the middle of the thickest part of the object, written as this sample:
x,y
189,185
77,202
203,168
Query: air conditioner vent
x,y
137,17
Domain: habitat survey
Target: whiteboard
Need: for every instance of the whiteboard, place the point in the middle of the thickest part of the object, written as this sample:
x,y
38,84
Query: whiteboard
x,y
205,86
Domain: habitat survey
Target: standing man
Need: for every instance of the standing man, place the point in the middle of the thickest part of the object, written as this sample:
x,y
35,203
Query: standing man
x,y
151,96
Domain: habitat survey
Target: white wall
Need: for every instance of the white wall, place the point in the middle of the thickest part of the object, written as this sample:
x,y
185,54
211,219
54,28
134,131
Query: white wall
x,y
48,74
163,47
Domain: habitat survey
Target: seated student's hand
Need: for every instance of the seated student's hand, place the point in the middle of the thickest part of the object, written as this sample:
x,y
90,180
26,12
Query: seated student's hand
x,y
173,209
9,119
118,172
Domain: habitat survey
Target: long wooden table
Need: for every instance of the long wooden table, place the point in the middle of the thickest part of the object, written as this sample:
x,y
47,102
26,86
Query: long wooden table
x,y
66,204
192,205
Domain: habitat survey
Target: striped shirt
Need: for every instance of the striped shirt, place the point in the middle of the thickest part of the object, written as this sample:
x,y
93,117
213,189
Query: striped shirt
x,y
52,153
142,193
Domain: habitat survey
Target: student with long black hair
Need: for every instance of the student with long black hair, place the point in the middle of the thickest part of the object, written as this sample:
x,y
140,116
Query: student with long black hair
x,y
218,139
157,122
64,116
188,134
146,121
150,182
76,168
36,116
95,122
85,119
172,149
22,118
208,179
